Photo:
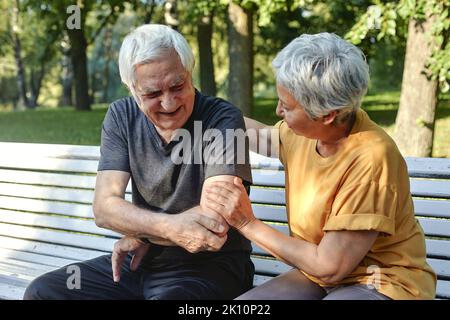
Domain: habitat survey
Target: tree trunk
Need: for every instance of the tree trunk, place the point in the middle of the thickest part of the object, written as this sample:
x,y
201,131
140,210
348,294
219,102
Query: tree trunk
x,y
204,37
106,59
240,52
79,63
67,80
414,126
149,9
36,84
21,81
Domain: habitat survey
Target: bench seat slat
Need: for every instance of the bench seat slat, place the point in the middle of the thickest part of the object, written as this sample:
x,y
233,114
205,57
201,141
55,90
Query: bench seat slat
x,y
11,292
24,268
435,227
271,178
271,213
53,250
443,289
432,208
49,193
54,222
430,188
49,164
267,196
441,267
8,254
50,179
45,206
428,167
58,237
50,150
269,266
47,179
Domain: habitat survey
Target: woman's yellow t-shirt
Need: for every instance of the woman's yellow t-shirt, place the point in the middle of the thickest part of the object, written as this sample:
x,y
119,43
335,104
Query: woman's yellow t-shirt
x,y
364,186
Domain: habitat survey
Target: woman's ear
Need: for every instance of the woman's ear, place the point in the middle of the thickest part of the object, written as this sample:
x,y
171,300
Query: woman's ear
x,y
329,118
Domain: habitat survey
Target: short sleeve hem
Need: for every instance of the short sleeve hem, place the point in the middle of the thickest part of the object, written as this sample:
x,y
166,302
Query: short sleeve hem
x,y
240,171
366,221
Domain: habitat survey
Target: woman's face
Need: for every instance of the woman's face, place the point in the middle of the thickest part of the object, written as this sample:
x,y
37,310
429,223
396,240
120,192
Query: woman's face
x,y
295,116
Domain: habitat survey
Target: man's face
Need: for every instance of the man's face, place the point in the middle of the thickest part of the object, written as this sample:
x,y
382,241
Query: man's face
x,y
166,92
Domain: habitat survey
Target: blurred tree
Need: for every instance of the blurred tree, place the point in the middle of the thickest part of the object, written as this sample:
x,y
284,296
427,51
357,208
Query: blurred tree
x,y
66,74
427,64
203,12
71,18
240,52
17,45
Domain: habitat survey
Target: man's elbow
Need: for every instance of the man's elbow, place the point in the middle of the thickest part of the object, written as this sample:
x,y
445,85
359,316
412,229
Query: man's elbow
x,y
99,216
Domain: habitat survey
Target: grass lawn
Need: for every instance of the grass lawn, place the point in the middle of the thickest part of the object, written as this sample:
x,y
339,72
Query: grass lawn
x,y
67,126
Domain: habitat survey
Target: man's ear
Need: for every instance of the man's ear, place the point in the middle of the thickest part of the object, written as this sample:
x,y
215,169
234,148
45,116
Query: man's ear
x,y
329,118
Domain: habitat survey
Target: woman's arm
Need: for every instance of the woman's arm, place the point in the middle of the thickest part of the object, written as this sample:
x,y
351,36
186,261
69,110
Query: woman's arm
x,y
337,254
263,139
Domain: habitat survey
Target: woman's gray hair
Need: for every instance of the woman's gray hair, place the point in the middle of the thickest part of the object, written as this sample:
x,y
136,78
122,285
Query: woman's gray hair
x,y
323,73
150,42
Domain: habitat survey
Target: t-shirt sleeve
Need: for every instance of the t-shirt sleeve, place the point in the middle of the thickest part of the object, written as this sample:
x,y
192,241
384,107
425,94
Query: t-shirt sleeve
x,y
364,206
114,143
226,147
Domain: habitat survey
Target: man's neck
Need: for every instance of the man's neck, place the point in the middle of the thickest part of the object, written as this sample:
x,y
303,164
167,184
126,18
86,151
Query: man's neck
x,y
166,135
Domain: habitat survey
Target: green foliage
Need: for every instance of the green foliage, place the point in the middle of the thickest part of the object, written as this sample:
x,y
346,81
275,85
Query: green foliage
x,y
387,19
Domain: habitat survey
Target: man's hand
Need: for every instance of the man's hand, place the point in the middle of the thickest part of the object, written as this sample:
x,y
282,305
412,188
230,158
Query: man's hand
x,y
120,252
198,230
231,201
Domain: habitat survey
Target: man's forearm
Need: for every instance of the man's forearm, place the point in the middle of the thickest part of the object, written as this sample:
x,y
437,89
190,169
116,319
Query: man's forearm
x,y
119,215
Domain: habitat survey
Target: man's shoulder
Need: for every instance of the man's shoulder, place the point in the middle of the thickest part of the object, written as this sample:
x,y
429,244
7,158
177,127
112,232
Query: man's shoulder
x,y
125,104
214,109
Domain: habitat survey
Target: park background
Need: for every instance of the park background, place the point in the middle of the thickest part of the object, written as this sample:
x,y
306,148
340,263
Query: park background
x,y
59,73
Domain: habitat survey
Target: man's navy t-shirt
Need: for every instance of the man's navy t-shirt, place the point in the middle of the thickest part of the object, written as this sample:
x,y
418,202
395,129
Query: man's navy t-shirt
x,y
131,143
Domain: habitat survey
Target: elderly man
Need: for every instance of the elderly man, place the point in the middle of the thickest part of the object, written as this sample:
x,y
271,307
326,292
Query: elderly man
x,y
178,250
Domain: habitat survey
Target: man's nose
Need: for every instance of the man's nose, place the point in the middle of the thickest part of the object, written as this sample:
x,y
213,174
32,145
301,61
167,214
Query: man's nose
x,y
168,102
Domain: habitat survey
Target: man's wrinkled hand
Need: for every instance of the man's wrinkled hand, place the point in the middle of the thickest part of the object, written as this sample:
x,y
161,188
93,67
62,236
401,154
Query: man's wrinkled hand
x,y
195,231
121,249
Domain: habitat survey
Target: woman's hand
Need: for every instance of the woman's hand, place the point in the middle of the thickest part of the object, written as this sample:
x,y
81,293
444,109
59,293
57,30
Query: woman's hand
x,y
231,201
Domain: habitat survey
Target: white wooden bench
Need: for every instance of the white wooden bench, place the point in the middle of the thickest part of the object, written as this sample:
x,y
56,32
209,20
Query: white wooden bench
x,y
46,218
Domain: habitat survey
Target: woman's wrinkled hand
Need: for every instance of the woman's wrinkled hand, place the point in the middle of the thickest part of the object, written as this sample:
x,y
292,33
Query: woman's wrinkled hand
x,y
231,201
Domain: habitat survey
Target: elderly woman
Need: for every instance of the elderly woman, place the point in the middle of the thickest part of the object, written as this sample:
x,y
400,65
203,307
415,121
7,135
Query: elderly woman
x,y
350,211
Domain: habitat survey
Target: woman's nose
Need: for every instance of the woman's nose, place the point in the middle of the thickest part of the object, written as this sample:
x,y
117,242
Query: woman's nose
x,y
279,111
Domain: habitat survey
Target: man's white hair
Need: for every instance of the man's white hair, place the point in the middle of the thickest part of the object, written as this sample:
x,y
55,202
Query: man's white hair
x,y
148,43
323,73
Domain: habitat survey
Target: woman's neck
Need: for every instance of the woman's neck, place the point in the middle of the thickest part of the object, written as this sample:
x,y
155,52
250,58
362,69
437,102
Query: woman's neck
x,y
337,135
